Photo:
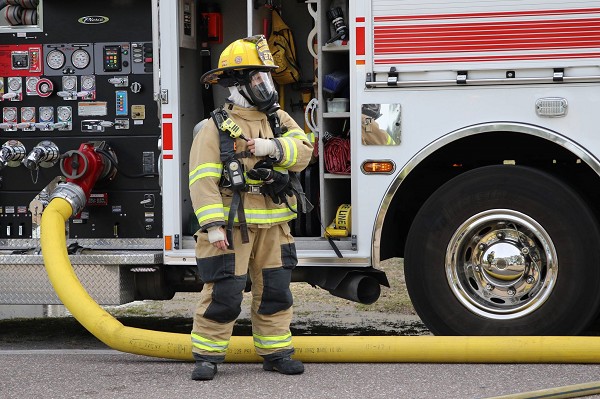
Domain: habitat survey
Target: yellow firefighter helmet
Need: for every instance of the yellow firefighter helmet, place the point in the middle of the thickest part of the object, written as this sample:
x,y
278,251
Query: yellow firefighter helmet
x,y
250,53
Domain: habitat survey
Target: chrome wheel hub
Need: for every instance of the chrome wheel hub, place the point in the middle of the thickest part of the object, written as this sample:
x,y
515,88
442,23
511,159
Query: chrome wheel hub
x,y
501,264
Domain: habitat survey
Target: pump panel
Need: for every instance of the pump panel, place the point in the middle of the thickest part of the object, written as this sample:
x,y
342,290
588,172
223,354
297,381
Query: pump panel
x,y
86,77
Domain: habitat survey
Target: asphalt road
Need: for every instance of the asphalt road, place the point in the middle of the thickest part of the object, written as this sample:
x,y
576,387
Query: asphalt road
x,y
103,373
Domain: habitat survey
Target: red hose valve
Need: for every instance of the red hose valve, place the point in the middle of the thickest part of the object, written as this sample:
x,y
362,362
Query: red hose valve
x,y
83,168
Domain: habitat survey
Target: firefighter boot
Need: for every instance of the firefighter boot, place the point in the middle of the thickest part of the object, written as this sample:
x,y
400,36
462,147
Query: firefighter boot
x,y
205,368
284,365
204,371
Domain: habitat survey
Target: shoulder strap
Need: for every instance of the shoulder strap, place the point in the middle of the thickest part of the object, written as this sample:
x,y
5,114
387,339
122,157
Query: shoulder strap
x,y
227,146
226,143
275,123
229,132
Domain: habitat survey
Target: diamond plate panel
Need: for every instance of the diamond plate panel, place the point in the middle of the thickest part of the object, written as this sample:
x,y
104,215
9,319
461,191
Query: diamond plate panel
x,y
29,284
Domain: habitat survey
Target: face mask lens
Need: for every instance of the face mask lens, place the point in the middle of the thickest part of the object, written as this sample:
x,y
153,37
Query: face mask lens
x,y
262,85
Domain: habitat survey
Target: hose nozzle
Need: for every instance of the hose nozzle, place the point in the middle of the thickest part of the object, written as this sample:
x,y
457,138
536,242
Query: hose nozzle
x,y
44,154
336,17
11,153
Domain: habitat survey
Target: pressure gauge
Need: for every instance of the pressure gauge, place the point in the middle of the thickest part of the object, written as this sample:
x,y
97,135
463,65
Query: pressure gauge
x,y
9,114
69,83
46,114
31,84
88,82
64,114
80,58
28,114
14,83
55,59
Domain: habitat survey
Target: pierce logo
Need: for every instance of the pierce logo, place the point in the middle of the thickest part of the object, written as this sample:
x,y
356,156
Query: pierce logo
x,y
93,20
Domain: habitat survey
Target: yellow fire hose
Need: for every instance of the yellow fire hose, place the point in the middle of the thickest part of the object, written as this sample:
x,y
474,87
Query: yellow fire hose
x,y
405,349
570,391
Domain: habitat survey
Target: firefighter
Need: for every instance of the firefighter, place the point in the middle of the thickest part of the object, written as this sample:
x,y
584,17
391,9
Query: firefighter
x,y
241,167
372,134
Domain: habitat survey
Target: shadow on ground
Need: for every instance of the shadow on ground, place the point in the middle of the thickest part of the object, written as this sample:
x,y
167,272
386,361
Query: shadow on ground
x,y
67,333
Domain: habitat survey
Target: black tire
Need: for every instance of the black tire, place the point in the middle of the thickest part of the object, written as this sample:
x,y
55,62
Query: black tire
x,y
152,286
546,278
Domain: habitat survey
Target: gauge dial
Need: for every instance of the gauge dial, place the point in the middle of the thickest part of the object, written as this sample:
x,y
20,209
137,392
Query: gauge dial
x,y
88,82
14,84
80,58
55,59
69,83
64,113
10,114
46,114
32,83
27,114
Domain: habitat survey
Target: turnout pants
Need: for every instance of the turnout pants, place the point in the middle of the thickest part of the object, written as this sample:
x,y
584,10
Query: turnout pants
x,y
267,260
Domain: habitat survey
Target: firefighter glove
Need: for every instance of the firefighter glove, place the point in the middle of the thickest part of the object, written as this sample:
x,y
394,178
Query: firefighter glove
x,y
278,189
276,184
261,171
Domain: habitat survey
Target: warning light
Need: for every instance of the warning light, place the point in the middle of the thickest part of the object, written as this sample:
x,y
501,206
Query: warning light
x,y
382,167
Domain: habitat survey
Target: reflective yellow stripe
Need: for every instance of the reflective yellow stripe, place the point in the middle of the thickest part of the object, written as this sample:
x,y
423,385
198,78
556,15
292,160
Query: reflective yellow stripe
x,y
290,152
205,170
297,134
252,181
213,211
265,216
273,341
209,345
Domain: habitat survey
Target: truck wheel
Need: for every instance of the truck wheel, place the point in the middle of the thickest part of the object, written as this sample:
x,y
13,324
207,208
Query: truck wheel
x,y
504,250
152,286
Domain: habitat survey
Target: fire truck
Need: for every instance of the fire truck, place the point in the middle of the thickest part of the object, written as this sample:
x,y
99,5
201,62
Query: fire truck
x,y
460,136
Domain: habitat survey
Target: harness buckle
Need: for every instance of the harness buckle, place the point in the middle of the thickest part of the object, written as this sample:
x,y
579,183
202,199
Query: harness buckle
x,y
254,188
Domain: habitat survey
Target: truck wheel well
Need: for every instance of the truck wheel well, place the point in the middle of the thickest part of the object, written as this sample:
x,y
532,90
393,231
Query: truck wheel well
x,y
493,148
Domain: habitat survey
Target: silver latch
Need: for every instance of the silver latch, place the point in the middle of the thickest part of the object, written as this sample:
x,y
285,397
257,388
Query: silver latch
x,y
392,79
164,96
558,75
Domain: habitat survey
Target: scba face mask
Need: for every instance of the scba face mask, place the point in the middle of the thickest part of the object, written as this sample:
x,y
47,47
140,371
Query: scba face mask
x,y
260,91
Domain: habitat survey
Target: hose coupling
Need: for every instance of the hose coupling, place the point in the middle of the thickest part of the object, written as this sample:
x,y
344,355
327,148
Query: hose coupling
x,y
71,193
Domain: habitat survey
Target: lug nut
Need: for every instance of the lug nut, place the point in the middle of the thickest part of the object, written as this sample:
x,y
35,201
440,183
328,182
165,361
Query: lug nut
x,y
530,279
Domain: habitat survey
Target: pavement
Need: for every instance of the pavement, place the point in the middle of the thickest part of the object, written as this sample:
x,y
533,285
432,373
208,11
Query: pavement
x,y
106,374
